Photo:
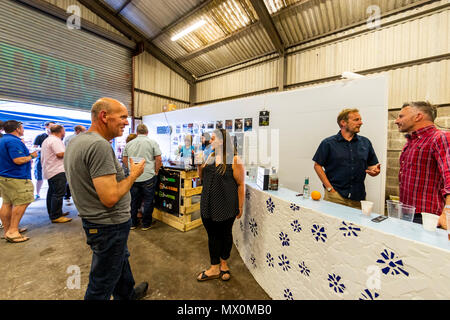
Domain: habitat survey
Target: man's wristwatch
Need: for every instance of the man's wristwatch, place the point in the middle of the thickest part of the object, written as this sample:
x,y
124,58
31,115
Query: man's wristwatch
x,y
329,189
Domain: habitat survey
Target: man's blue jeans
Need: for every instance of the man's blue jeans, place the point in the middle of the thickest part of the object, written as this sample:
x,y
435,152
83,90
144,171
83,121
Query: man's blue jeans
x,y
110,270
143,191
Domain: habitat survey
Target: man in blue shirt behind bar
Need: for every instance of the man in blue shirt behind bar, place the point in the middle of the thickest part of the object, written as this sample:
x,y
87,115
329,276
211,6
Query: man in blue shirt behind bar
x,y
15,180
346,158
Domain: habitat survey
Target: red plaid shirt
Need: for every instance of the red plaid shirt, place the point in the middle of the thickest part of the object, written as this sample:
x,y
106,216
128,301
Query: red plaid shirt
x,y
425,170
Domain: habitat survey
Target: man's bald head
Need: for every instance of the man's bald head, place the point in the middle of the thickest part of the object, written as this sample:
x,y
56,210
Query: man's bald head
x,y
105,104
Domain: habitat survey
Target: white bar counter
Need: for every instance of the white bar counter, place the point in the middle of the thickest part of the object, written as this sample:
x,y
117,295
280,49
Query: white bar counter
x,y
305,250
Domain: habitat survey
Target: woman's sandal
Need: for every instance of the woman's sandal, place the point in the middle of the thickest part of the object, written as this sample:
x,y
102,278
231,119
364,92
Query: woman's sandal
x,y
21,230
204,277
222,273
17,239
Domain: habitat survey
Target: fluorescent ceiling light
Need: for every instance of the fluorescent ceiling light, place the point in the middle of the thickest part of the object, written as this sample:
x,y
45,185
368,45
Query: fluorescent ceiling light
x,y
188,30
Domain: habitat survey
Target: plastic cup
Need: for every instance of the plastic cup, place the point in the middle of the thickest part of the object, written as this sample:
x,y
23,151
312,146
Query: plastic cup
x,y
429,221
393,207
366,207
448,224
407,212
136,159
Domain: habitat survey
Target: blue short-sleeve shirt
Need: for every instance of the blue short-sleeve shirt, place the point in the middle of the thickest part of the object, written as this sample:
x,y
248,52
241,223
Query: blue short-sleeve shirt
x,y
12,147
345,163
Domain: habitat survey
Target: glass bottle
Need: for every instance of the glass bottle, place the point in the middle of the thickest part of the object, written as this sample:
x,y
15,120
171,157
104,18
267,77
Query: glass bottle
x,y
306,189
273,180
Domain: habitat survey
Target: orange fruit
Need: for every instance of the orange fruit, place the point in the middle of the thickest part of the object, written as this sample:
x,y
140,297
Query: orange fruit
x,y
315,195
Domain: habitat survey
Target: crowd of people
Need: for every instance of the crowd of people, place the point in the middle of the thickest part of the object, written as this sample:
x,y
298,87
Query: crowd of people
x,y
108,197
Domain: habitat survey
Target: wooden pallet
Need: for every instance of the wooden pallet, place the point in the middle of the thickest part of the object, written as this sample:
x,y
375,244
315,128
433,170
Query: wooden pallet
x,y
184,221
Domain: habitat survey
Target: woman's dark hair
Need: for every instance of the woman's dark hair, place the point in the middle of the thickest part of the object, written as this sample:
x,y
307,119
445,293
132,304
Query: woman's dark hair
x,y
226,149
207,139
11,125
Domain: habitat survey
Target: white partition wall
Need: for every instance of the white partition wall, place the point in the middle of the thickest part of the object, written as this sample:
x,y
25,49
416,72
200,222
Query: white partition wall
x,y
299,121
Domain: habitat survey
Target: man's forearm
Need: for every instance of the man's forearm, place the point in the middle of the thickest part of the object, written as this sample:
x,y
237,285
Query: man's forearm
x,y
322,176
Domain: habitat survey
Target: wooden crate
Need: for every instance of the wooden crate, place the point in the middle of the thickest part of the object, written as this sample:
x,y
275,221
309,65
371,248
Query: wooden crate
x,y
184,221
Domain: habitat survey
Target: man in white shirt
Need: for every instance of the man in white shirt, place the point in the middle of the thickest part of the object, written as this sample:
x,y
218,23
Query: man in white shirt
x,y
52,158
143,189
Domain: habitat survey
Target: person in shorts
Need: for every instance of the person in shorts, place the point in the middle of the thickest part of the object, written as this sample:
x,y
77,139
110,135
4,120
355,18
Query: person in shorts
x,y
16,186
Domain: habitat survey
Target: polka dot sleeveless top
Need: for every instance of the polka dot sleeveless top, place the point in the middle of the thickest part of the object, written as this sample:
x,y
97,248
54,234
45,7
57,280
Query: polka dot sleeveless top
x,y
219,200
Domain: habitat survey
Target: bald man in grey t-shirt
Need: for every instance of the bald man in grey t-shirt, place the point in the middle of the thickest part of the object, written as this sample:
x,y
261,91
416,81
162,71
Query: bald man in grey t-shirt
x,y
101,193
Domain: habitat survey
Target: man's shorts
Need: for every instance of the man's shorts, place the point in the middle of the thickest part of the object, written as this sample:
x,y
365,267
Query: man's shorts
x,y
16,191
38,169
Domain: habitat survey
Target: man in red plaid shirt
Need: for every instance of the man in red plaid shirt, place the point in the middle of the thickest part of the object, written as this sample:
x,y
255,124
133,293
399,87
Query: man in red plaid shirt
x,y
424,177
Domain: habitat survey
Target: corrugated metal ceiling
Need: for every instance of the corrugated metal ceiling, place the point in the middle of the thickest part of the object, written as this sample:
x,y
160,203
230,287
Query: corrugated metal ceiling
x,y
232,32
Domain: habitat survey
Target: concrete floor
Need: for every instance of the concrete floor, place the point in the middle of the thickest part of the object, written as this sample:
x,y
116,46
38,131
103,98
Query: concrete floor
x,y
165,257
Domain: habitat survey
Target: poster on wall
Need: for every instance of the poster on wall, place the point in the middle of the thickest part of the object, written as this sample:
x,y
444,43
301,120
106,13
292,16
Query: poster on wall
x,y
196,128
178,129
238,125
190,128
219,124
211,125
229,124
248,124
185,128
263,118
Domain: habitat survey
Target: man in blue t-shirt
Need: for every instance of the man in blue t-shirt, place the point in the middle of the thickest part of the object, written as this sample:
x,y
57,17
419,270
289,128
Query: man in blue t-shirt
x,y
343,160
15,180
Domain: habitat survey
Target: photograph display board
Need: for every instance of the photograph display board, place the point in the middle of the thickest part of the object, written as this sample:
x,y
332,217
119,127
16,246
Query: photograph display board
x,y
299,120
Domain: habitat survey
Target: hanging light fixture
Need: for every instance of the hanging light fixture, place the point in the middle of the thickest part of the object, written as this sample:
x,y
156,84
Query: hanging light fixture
x,y
193,27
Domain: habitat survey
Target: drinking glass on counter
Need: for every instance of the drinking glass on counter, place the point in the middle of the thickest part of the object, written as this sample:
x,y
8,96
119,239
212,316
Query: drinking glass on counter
x,y
429,221
393,208
407,212
366,207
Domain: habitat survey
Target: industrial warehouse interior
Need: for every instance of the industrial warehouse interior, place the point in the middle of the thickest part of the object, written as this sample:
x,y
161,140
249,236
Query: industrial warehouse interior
x,y
225,150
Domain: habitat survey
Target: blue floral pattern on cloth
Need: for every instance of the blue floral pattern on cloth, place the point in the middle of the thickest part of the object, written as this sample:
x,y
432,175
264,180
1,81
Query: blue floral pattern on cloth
x,y
294,207
334,283
247,195
368,295
284,262
270,205
393,264
349,229
288,294
319,233
253,227
253,260
304,269
269,260
241,225
296,226
284,239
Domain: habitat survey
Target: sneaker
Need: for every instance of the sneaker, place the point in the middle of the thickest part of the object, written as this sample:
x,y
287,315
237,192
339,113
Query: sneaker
x,y
133,227
146,228
61,220
140,291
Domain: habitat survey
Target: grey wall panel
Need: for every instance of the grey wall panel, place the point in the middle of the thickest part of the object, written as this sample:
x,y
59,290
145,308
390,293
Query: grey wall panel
x,y
43,61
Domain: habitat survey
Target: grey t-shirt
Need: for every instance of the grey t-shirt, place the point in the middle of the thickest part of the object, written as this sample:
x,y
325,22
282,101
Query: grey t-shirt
x,y
89,156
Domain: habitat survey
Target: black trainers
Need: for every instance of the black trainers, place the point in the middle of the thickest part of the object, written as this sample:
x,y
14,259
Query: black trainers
x,y
140,291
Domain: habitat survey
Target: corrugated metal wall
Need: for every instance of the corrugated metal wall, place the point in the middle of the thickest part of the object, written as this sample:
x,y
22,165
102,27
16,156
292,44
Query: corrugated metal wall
x,y
251,79
85,14
155,80
405,41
